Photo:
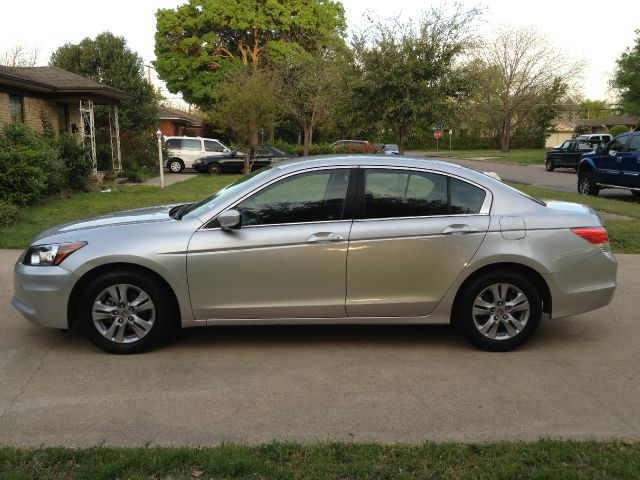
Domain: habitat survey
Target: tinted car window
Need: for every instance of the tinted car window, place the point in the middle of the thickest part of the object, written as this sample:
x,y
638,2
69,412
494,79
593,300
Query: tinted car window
x,y
174,143
307,197
191,144
211,146
618,144
390,193
634,146
465,198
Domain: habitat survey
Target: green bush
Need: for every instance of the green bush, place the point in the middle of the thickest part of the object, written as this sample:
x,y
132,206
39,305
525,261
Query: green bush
x,y
617,130
133,175
78,165
9,214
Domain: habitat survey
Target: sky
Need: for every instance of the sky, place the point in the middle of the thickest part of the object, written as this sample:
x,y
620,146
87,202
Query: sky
x,y
579,28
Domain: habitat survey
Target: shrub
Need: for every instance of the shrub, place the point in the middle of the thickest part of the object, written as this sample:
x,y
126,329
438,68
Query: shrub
x,y
133,175
617,130
9,214
317,149
357,148
78,165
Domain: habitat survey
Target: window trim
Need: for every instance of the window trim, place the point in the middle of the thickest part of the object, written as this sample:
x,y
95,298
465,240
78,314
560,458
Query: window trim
x,y
485,209
212,223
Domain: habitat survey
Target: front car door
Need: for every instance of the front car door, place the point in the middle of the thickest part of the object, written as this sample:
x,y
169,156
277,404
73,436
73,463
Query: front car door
x,y
413,234
288,259
631,163
609,162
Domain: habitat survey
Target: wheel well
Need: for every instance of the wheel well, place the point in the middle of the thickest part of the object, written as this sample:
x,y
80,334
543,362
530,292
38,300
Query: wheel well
x,y
175,158
527,272
584,168
88,277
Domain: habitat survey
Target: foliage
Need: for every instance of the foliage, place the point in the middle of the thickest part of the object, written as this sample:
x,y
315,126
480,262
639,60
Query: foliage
x,y
198,42
34,164
618,129
247,102
108,59
132,175
525,79
408,75
626,78
589,109
9,214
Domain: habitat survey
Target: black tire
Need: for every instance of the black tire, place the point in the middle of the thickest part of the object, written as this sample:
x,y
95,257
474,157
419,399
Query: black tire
x,y
549,165
162,323
464,319
635,193
175,165
587,184
214,169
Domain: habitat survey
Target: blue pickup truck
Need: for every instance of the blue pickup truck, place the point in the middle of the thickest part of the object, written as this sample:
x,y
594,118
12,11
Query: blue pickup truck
x,y
615,165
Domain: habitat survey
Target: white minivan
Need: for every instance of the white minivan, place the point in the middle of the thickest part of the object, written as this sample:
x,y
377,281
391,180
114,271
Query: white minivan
x,y
183,151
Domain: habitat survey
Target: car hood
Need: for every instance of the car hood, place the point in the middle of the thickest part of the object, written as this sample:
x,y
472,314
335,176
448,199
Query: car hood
x,y
140,215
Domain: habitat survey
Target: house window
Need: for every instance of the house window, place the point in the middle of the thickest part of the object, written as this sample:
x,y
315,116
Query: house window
x,y
16,108
63,118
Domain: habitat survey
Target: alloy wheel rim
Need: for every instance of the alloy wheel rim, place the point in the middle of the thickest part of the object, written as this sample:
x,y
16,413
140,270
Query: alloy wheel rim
x,y
501,311
175,166
123,313
584,186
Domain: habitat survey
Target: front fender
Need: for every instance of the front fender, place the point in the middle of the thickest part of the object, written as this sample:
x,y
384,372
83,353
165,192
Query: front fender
x,y
587,164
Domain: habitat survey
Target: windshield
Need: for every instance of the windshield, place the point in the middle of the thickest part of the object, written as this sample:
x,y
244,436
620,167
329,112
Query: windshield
x,y
197,209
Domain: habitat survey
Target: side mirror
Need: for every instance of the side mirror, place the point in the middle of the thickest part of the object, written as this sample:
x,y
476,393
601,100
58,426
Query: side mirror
x,y
229,220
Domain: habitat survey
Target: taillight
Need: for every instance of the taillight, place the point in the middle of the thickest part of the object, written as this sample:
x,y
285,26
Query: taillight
x,y
595,235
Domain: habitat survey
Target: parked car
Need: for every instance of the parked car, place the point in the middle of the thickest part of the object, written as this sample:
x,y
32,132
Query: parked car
x,y
332,240
183,151
391,149
600,138
568,154
233,162
616,165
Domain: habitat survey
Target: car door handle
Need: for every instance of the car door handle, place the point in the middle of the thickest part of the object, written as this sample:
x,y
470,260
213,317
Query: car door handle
x,y
619,159
325,237
458,229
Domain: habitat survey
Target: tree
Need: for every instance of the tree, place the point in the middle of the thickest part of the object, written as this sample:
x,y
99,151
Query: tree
x,y
197,42
108,59
626,78
589,109
530,73
246,102
408,75
20,56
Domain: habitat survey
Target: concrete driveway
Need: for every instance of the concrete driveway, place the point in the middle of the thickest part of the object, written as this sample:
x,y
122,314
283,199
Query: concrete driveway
x,y
578,378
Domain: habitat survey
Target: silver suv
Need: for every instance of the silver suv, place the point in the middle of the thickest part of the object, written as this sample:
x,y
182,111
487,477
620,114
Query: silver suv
x,y
183,151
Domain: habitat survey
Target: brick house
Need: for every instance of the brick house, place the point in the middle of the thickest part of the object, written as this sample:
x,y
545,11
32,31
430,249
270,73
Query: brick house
x,y
178,123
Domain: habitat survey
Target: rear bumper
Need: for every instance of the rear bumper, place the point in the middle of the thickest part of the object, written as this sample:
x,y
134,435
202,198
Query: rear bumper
x,y
41,294
587,286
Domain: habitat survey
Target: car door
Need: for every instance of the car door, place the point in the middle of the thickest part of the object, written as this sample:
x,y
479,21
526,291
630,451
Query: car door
x,y
413,234
559,154
190,151
288,259
609,161
631,163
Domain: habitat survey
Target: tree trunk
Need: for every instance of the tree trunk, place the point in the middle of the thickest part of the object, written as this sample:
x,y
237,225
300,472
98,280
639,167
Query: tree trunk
x,y
253,140
308,138
506,134
402,138
299,137
272,135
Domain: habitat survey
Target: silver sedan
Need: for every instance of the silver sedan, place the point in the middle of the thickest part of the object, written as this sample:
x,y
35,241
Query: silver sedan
x,y
334,240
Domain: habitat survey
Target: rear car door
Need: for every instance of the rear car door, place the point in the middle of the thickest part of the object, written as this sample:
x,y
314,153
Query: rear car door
x,y
631,162
413,234
190,150
288,259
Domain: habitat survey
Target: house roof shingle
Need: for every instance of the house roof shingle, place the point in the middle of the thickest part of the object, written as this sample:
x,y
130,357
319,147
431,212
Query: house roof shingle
x,y
166,113
610,121
53,80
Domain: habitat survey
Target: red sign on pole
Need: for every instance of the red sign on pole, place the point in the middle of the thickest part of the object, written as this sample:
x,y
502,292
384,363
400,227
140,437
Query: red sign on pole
x,y
437,134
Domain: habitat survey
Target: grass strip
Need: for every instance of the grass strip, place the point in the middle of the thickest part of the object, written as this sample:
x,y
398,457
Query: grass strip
x,y
553,459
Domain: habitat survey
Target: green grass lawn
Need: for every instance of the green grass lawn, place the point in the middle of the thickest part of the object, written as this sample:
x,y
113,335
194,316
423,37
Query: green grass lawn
x,y
122,197
524,156
545,459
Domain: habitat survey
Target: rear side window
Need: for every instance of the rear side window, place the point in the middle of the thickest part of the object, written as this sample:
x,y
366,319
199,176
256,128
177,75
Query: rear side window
x,y
398,193
174,143
191,144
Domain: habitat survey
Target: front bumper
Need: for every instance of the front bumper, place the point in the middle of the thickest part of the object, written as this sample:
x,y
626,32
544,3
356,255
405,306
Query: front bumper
x,y
200,167
587,286
41,294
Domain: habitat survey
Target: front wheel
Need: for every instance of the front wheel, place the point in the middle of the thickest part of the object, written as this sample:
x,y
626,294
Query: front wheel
x,y
587,184
635,193
499,311
549,165
176,165
214,169
125,312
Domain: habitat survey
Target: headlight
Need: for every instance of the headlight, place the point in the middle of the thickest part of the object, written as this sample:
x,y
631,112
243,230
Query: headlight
x,y
48,255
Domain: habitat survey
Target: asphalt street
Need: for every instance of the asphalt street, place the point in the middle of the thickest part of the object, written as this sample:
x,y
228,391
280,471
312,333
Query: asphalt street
x,y
578,378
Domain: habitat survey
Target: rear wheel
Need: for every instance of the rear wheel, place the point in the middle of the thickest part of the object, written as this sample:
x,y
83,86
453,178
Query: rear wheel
x,y
499,311
587,184
214,169
549,165
126,312
176,165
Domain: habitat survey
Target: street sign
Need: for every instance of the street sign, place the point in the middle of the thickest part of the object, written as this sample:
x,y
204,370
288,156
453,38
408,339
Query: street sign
x,y
437,134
